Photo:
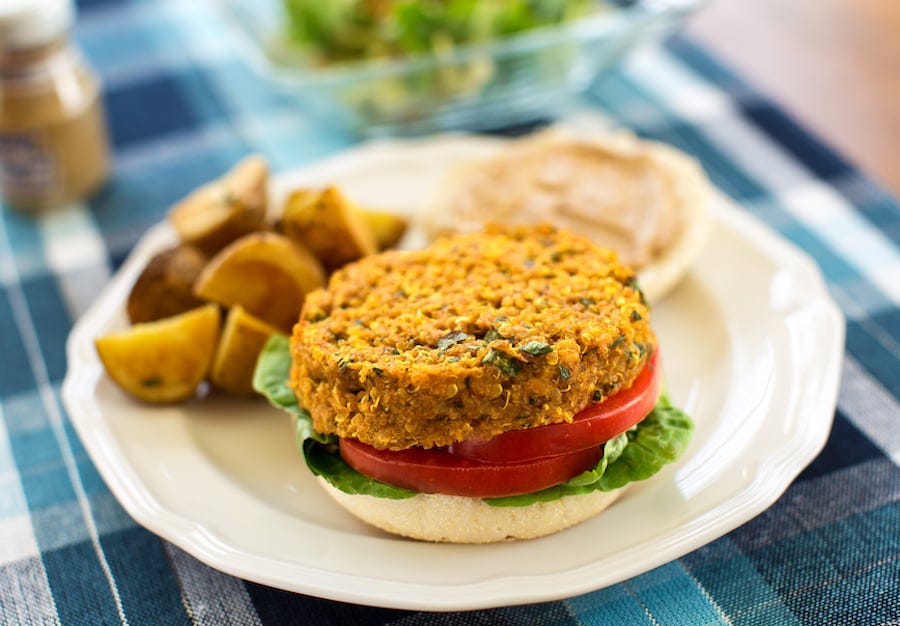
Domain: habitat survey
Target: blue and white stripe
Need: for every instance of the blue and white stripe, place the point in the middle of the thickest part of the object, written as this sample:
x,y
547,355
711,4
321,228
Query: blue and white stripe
x,y
183,107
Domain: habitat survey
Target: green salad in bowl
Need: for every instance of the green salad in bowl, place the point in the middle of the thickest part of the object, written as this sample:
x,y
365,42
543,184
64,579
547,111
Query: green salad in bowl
x,y
342,30
413,66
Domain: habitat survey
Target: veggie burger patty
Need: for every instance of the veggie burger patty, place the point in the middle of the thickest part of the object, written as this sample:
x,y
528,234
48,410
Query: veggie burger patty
x,y
477,334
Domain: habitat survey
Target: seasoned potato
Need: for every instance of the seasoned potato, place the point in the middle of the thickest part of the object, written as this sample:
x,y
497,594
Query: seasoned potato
x,y
266,273
165,287
219,212
387,227
162,361
242,339
330,225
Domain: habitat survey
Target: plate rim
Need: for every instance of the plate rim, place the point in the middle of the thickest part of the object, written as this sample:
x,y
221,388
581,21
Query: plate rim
x,y
204,544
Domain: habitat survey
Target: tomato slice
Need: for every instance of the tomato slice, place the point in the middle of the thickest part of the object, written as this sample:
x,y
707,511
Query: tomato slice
x,y
591,427
438,471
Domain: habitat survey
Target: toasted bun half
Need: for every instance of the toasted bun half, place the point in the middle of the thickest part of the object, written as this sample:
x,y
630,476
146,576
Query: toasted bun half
x,y
457,519
687,191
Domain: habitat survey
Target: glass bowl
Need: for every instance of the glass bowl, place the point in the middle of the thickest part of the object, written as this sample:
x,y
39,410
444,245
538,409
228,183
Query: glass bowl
x,y
507,81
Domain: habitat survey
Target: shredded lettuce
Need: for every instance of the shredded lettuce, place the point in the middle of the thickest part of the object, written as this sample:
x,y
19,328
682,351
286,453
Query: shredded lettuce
x,y
638,454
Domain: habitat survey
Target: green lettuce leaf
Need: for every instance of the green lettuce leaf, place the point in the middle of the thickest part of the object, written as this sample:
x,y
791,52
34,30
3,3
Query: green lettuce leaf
x,y
659,439
273,368
637,454
326,461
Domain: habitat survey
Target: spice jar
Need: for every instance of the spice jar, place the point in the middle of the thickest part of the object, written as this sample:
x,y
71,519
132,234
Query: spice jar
x,y
53,145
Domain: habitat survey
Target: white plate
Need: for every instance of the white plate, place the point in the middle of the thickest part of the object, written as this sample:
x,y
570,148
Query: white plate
x,y
752,348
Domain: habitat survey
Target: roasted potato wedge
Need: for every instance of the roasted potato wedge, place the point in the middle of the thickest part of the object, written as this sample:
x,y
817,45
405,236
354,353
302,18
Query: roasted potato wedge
x,y
330,225
265,273
243,336
162,361
219,212
165,287
388,228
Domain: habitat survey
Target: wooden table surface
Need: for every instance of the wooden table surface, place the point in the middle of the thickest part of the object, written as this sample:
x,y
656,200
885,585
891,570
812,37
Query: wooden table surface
x,y
832,64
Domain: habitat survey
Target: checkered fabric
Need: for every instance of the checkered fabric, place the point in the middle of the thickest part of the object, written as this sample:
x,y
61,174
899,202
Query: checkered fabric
x,y
183,108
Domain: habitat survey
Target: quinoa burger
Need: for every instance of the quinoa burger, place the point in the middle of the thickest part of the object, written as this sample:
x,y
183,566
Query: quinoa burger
x,y
496,385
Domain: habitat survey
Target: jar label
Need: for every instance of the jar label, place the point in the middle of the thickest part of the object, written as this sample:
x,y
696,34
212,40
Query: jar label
x,y
27,166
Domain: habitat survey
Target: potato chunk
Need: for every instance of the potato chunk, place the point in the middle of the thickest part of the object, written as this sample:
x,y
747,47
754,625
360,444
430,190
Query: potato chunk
x,y
219,212
265,273
162,361
165,287
387,227
330,225
243,337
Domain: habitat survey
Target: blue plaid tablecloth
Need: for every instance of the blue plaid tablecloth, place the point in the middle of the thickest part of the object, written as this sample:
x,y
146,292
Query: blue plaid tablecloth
x,y
183,108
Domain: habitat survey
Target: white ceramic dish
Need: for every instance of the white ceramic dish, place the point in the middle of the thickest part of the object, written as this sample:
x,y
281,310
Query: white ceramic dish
x,y
752,347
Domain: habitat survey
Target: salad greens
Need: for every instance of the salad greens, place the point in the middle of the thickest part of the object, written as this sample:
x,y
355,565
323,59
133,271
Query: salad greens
x,y
635,455
340,30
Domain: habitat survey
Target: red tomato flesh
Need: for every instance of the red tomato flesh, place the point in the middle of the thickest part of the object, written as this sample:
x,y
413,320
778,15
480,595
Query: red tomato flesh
x,y
589,428
515,462
438,471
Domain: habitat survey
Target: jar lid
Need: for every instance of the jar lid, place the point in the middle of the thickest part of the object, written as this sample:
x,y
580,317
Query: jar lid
x,y
32,23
